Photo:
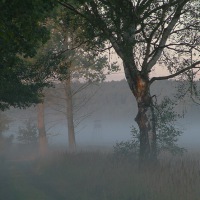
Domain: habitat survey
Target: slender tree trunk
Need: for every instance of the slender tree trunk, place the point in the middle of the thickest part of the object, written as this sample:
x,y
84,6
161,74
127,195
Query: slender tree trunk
x,y
70,117
43,143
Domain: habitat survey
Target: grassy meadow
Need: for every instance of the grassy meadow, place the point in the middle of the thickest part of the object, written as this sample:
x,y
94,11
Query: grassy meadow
x,y
98,176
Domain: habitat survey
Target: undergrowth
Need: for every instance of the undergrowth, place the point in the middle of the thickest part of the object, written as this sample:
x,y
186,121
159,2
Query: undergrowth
x,y
99,176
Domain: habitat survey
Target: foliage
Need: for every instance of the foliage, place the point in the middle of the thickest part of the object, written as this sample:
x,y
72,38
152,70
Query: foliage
x,y
22,31
65,54
128,149
28,135
68,60
146,35
22,27
167,132
142,33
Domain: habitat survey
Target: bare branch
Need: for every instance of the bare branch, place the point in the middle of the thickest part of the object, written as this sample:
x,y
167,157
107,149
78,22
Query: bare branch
x,y
176,74
147,14
73,9
144,64
102,25
165,36
69,49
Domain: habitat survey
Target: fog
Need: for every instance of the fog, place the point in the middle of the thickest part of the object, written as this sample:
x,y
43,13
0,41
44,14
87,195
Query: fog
x,y
104,115
110,110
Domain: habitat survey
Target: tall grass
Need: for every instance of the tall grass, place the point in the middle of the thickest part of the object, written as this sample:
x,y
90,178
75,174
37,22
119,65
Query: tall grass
x,y
100,176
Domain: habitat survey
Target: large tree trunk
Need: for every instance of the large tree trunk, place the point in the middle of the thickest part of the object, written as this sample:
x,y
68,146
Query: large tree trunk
x,y
70,117
43,143
145,119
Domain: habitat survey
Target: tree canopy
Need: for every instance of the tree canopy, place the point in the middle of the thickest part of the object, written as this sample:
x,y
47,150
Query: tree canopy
x,y
22,31
146,35
143,33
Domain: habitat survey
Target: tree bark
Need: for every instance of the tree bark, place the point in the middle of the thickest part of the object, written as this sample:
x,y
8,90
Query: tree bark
x,y
145,118
69,114
146,121
43,143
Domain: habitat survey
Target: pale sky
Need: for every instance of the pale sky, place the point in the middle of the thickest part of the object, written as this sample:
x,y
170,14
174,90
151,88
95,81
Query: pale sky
x,y
117,76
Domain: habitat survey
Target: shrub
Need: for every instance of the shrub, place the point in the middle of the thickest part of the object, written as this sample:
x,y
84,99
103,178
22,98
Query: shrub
x,y
167,132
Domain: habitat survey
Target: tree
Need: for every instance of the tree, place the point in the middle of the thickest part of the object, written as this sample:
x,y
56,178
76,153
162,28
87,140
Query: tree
x,y
167,132
78,70
4,123
22,31
28,135
146,35
67,59
43,143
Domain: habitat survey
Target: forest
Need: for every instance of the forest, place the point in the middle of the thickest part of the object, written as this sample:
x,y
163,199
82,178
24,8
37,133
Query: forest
x,y
68,130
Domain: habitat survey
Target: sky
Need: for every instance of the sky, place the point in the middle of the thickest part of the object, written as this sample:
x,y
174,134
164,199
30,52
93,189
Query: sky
x,y
119,75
